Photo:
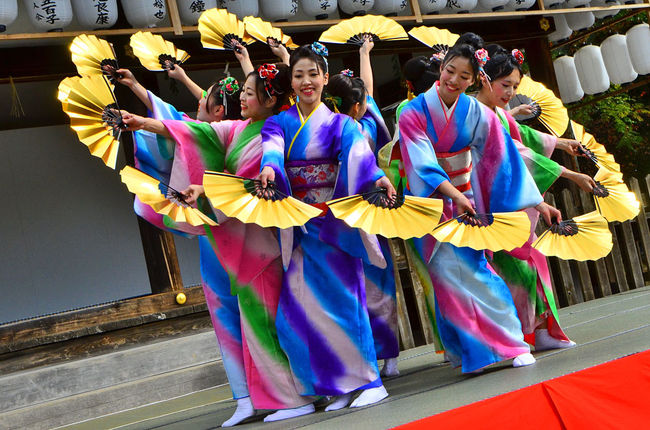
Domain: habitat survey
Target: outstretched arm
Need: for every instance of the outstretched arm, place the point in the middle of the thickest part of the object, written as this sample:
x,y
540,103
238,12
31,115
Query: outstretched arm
x,y
179,74
137,122
365,68
242,56
279,50
130,81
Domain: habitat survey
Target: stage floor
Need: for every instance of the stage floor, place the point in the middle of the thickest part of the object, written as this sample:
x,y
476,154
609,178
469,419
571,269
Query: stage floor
x,y
605,329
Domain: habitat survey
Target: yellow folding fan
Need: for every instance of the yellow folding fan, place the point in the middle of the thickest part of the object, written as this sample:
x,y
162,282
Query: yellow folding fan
x,y
495,231
440,40
219,29
264,31
594,150
94,56
172,203
547,108
354,30
585,237
155,53
246,200
375,213
94,114
613,199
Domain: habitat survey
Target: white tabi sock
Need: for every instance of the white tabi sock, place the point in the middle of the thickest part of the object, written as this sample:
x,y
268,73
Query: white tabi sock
x,y
285,414
244,410
543,341
370,396
339,402
390,368
523,360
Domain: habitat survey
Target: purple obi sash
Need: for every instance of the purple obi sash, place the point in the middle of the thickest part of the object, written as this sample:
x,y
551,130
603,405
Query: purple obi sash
x,y
312,181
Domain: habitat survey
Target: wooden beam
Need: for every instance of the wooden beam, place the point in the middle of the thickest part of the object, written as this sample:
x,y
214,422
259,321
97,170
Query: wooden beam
x,y
624,88
415,8
175,17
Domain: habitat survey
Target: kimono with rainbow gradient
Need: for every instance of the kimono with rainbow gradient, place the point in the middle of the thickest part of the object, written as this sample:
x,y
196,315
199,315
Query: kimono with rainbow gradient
x,y
467,146
322,320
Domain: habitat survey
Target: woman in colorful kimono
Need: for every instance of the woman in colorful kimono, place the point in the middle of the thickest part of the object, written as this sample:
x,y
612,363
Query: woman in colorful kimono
x,y
455,148
525,269
323,326
354,97
249,254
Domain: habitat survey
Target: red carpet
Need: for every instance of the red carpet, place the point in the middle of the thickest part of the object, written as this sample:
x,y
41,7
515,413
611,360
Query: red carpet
x,y
614,395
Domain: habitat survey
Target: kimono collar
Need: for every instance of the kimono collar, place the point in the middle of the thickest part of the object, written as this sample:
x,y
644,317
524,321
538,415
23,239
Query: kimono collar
x,y
303,121
449,111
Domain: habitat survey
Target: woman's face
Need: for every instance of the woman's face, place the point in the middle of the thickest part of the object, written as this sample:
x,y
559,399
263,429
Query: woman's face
x,y
504,89
307,81
251,107
455,77
206,111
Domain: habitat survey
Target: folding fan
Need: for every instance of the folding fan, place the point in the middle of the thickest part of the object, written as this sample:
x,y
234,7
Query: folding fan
x,y
375,213
156,53
585,237
613,199
547,108
219,29
594,150
246,200
261,30
94,114
495,231
354,30
172,203
94,56
438,39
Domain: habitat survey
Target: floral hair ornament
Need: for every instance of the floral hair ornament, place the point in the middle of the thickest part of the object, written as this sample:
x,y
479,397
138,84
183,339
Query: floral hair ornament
x,y
321,50
482,57
519,56
227,86
347,72
438,56
267,72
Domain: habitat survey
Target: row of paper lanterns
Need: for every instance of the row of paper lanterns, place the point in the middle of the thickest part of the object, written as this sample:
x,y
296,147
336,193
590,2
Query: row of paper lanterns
x,y
618,60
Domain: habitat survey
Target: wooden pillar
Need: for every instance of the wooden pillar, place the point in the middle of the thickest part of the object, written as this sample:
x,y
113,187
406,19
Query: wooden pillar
x,y
538,56
158,246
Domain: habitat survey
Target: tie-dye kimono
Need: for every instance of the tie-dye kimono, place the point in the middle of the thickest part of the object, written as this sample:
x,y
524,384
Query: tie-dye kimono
x,y
154,155
467,146
525,270
380,283
250,254
322,320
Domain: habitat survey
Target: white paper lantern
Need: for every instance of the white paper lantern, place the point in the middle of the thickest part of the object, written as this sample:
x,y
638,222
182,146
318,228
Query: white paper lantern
x,y
191,10
356,7
591,70
552,4
605,3
144,13
567,79
562,30
577,3
493,5
638,47
460,6
8,13
519,5
388,7
279,10
95,14
580,21
617,60
242,8
431,6
319,9
49,15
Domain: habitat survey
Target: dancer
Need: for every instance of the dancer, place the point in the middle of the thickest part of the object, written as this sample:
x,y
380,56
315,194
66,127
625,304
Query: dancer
x,y
455,148
354,97
525,269
249,253
322,322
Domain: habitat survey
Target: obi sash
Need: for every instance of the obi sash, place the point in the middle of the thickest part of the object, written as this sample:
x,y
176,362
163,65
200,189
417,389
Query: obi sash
x,y
458,166
312,181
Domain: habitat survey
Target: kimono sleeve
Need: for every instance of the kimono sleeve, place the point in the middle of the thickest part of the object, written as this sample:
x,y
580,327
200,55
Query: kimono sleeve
x,y
358,169
541,143
500,180
273,138
420,162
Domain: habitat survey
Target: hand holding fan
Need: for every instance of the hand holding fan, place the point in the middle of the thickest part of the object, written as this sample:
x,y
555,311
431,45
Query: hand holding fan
x,y
219,29
547,108
594,150
440,40
162,198
263,31
613,199
94,56
156,53
495,231
246,200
